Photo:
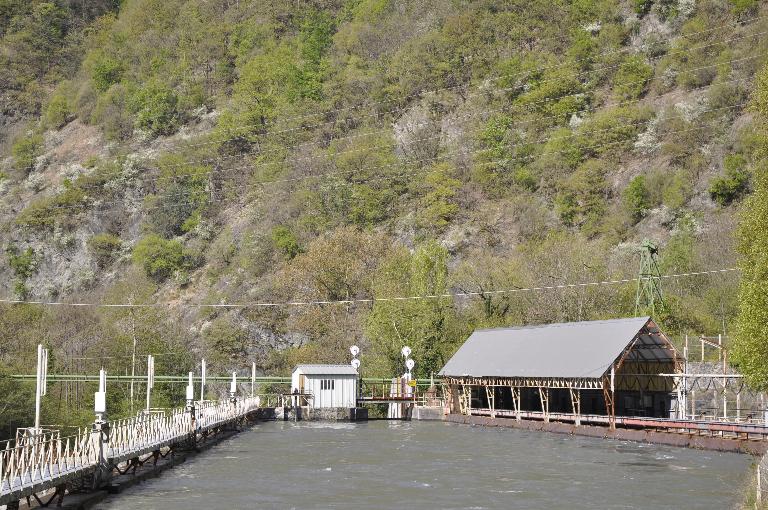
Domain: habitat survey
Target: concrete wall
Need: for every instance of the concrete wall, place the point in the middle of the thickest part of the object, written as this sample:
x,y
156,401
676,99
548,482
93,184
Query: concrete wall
x,y
322,414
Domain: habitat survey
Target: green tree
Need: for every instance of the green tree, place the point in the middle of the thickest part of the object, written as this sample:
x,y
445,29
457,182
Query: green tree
x,y
635,198
181,198
427,325
285,241
725,189
156,109
159,257
438,203
631,78
750,346
23,264
104,246
25,151
14,406
582,199
226,342
106,72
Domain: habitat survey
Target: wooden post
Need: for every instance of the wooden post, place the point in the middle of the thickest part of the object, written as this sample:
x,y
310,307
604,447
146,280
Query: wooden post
x,y
608,396
702,349
516,402
738,406
490,393
466,399
720,350
576,405
544,397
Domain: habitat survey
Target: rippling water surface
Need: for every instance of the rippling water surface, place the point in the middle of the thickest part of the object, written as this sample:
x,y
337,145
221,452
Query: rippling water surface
x,y
438,465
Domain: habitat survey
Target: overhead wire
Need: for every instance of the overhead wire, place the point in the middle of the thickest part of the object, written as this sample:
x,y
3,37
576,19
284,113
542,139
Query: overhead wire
x,y
372,300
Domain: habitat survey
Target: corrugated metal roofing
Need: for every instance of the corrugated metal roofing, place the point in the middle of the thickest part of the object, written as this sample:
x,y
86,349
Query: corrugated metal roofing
x,y
571,349
326,369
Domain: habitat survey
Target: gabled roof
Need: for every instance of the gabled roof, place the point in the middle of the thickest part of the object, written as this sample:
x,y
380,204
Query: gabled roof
x,y
569,350
326,369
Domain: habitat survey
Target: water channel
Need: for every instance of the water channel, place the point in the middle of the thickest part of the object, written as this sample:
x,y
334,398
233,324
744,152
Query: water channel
x,y
424,465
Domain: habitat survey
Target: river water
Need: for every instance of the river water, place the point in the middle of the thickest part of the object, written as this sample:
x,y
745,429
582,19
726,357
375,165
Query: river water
x,y
423,465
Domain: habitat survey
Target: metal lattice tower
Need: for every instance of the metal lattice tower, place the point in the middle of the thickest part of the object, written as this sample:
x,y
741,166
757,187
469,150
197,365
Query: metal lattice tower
x,y
649,295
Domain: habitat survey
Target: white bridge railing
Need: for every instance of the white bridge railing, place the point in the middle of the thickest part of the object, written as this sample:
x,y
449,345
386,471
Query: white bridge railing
x,y
34,459
36,462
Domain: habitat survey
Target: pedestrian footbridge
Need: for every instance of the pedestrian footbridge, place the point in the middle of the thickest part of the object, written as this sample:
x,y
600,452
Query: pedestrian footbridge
x,y
44,465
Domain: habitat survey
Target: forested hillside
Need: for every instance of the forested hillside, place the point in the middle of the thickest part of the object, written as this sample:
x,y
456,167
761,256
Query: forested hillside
x,y
178,154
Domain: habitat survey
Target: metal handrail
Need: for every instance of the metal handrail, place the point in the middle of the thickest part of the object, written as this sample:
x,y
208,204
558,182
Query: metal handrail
x,y
43,459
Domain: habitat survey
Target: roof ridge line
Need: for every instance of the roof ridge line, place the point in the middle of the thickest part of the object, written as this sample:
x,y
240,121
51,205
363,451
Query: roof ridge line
x,y
558,324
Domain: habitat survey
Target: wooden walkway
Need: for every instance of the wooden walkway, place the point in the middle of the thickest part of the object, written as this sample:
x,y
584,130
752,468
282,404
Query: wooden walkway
x,y
736,430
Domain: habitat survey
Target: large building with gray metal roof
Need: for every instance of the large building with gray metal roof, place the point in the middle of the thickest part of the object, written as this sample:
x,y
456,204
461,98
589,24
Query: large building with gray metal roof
x,y
567,370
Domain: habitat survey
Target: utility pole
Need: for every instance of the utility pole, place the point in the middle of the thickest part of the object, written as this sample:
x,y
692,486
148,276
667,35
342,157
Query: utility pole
x,y
648,295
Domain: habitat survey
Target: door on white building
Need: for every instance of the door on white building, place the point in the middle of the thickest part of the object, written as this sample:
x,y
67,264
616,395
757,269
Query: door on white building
x,y
327,387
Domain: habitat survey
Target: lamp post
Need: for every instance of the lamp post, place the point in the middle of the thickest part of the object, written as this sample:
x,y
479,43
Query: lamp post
x,y
190,393
100,431
355,352
233,388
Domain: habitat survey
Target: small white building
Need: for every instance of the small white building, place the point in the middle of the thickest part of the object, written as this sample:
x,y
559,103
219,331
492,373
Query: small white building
x,y
329,385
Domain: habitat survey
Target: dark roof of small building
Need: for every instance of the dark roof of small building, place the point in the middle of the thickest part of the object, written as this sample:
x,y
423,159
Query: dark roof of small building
x,y
326,369
569,350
